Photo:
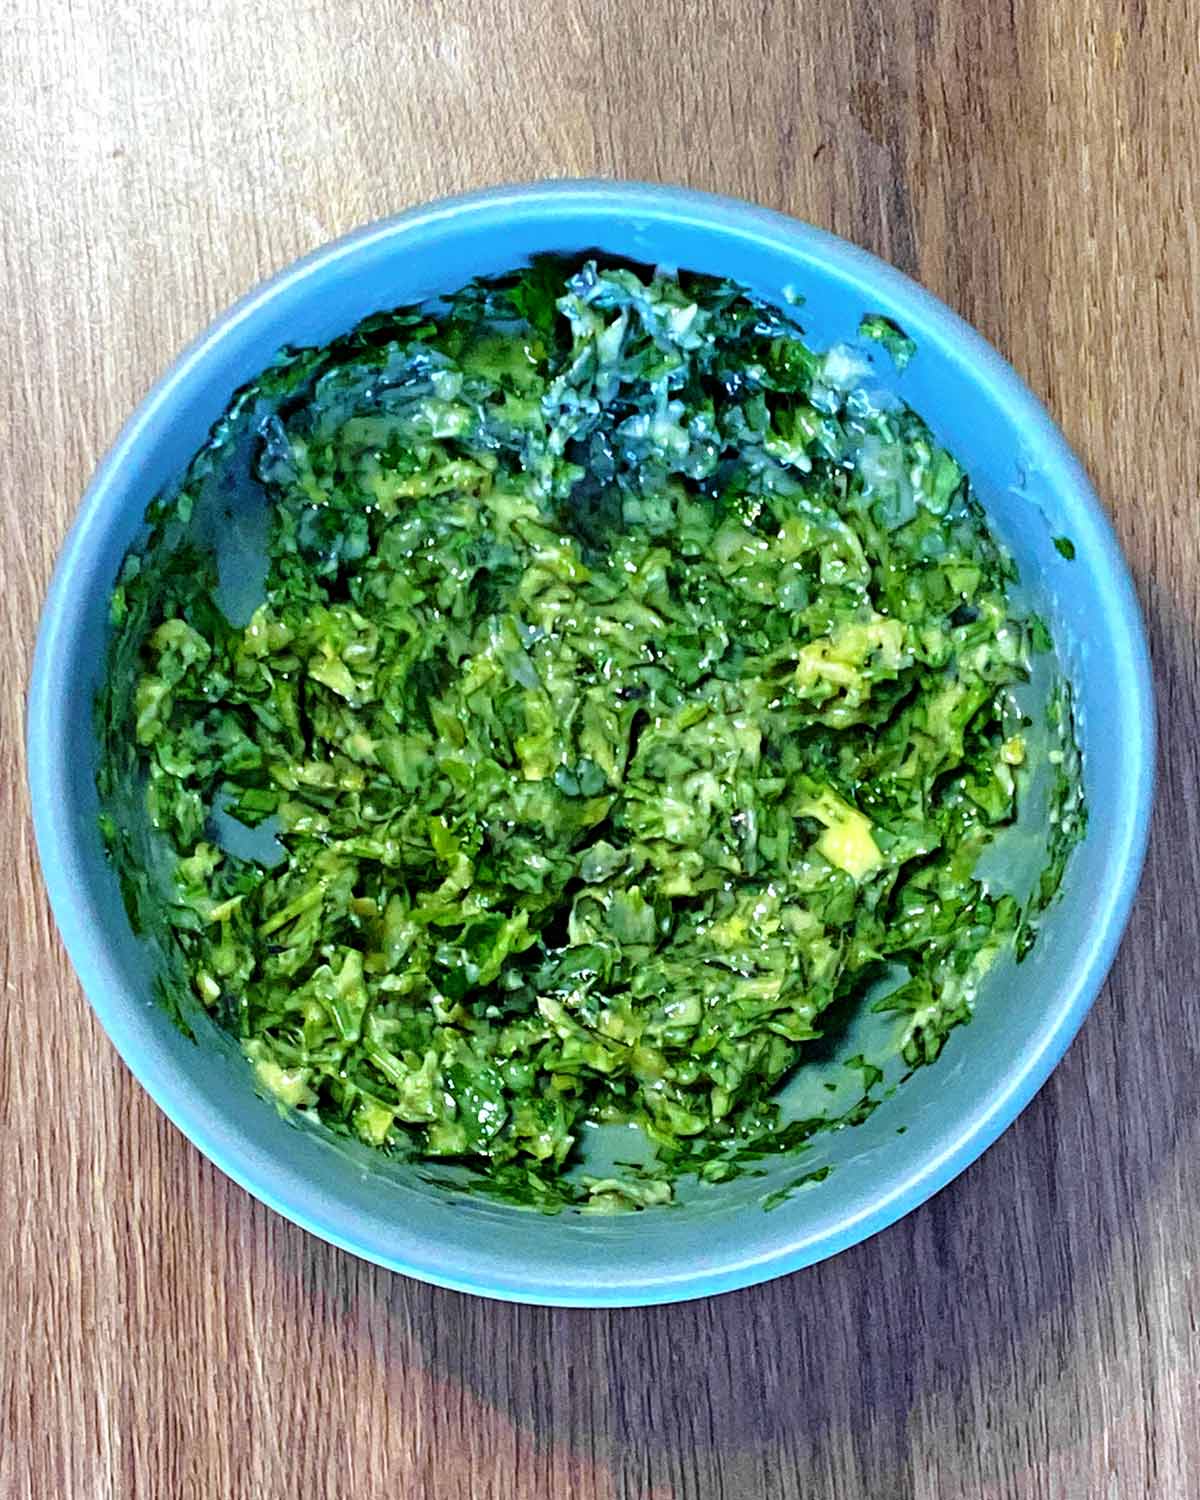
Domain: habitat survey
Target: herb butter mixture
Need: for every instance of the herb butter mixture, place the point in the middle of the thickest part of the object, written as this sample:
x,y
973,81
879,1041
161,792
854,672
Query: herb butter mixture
x,y
629,687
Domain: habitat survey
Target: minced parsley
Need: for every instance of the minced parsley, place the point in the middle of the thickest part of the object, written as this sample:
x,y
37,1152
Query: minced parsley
x,y
627,687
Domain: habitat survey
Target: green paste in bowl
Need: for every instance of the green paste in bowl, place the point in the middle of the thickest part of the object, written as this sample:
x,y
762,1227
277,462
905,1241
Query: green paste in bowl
x,y
630,690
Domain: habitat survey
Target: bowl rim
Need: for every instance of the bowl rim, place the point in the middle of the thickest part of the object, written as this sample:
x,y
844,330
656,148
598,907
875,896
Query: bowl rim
x,y
57,837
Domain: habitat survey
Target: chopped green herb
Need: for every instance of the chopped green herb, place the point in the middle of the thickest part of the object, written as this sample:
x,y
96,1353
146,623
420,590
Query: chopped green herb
x,y
626,690
781,1195
1066,546
868,1071
893,338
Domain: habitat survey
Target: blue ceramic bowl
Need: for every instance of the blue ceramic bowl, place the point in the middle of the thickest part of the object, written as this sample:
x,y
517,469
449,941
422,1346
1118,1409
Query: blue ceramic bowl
x,y
934,1125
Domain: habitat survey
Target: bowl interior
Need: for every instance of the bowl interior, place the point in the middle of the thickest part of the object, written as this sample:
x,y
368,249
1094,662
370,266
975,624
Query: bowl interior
x,y
920,1136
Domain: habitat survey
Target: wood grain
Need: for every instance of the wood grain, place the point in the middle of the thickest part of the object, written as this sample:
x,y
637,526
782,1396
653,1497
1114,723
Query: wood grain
x,y
1032,1332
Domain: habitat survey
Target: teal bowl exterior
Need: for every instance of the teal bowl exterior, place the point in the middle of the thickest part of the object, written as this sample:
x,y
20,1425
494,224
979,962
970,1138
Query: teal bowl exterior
x,y
940,1120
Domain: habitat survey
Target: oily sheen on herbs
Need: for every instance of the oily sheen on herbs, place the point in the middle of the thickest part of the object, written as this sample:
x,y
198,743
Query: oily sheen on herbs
x,y
630,685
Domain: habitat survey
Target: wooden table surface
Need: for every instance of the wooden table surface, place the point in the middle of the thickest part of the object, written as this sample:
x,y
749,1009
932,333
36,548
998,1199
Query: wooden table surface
x,y
1032,1331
